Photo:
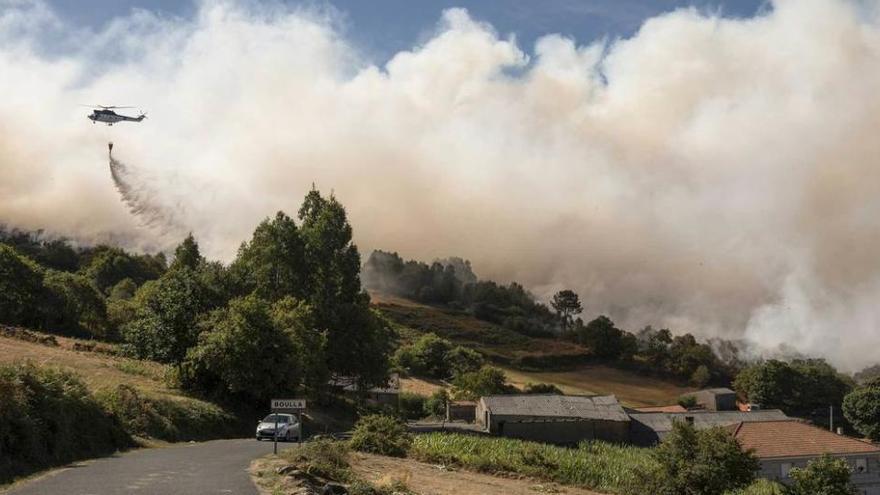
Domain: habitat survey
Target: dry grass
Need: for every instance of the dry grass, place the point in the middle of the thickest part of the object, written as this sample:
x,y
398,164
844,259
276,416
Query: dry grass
x,y
421,386
98,370
441,480
631,388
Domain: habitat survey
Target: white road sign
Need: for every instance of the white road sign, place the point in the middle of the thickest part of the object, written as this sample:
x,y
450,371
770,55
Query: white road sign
x,y
289,404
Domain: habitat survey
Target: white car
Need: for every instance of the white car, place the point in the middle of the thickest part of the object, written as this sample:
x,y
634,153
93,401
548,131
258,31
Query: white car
x,y
288,427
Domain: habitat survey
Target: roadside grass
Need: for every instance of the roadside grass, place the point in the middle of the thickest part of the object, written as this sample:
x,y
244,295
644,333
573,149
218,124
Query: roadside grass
x,y
48,417
312,465
631,388
596,465
131,395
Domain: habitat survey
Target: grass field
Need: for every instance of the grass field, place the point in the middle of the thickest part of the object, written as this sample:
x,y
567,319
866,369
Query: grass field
x,y
632,389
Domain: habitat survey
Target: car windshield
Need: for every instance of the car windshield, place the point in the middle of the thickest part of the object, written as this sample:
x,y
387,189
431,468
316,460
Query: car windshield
x,y
271,418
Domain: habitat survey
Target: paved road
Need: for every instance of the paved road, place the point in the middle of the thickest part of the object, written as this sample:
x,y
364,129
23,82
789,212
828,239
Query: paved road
x,y
215,467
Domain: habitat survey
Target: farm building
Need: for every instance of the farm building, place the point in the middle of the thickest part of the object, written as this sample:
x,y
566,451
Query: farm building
x,y
461,410
716,399
649,428
783,445
560,419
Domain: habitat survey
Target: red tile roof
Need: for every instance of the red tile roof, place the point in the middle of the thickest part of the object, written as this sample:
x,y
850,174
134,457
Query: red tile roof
x,y
796,439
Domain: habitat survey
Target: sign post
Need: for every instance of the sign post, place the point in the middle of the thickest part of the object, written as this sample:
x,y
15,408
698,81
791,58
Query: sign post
x,y
291,406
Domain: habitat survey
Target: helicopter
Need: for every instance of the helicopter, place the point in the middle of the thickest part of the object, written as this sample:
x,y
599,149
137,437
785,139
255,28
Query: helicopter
x,y
106,114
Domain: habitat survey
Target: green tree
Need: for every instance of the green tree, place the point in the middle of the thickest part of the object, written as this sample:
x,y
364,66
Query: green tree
x,y
109,265
297,321
359,340
704,462
600,335
435,405
166,312
861,407
187,254
21,288
273,263
797,388
75,306
823,476
463,360
487,381
701,376
241,353
567,304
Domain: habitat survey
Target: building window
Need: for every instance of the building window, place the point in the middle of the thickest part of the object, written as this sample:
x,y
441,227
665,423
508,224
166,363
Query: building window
x,y
785,469
861,466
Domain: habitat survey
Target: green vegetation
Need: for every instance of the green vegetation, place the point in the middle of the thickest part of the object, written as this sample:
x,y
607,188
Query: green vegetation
x,y
49,418
598,466
435,357
702,462
798,387
823,476
475,384
167,419
861,407
761,487
411,406
318,462
541,388
384,435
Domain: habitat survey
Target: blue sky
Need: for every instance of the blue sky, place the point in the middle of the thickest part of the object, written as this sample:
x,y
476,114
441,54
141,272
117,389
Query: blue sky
x,y
383,27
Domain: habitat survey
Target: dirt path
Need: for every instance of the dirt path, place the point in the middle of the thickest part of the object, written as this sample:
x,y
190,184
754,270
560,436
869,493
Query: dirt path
x,y
428,479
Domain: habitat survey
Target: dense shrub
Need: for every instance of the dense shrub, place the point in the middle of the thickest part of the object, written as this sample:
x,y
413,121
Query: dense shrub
x,y
48,418
21,288
702,462
77,307
862,408
823,476
435,357
166,419
435,405
798,387
411,406
761,487
382,435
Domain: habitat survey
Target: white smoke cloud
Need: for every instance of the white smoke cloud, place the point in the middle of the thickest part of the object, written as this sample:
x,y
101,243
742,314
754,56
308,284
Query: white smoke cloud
x,y
719,176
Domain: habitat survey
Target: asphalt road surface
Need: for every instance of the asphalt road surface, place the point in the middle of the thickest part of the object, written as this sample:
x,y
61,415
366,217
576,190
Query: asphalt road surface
x,y
219,466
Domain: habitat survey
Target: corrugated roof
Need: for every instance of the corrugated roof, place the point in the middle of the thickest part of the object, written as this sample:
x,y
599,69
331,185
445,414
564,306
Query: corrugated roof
x,y
556,406
716,391
675,408
794,438
661,422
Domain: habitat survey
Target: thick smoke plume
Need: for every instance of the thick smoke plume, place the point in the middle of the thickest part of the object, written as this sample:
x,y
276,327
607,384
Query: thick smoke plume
x,y
713,175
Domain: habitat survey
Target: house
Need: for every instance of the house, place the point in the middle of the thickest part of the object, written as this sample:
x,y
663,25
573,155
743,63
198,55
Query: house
x,y
650,428
382,395
461,410
551,418
716,399
783,445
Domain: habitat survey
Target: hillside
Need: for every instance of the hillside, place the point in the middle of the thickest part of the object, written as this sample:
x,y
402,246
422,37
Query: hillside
x,y
524,359
136,391
499,345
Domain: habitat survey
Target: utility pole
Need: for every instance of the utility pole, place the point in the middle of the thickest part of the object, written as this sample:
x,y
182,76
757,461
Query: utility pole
x,y
831,422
